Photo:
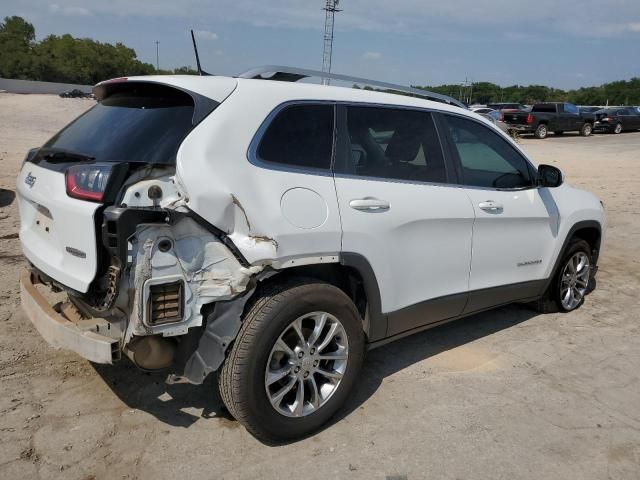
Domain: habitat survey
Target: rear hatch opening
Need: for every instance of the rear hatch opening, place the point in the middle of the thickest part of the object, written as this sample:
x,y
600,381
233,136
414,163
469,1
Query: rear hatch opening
x,y
65,185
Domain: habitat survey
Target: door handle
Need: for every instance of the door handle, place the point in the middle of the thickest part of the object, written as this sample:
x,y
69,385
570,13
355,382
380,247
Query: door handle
x,y
369,204
490,206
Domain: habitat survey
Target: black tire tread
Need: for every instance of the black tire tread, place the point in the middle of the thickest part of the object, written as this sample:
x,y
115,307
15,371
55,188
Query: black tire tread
x,y
548,303
241,352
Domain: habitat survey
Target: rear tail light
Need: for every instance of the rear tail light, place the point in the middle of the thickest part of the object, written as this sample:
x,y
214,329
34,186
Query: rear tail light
x,y
529,119
88,181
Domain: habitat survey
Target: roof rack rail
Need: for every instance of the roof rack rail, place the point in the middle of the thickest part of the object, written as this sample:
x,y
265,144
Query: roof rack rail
x,y
291,74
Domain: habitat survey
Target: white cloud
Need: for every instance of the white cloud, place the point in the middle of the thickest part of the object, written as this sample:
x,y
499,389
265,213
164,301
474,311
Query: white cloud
x,y
70,11
634,27
579,18
372,55
206,34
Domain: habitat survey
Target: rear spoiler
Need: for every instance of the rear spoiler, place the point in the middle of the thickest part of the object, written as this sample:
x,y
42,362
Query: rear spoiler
x,y
203,106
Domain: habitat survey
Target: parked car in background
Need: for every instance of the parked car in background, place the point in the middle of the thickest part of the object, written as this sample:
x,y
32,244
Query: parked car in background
x,y
76,93
550,117
507,106
495,114
588,109
617,120
495,120
484,110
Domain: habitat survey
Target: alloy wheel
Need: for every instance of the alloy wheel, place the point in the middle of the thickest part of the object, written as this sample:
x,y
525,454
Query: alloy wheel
x,y
306,364
574,281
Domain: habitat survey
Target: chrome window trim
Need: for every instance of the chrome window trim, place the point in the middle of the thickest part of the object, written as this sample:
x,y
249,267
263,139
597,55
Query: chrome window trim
x,y
252,152
254,159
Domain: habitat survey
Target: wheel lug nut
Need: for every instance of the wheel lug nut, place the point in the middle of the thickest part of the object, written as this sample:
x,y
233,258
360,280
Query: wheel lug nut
x,y
313,350
306,374
296,370
300,354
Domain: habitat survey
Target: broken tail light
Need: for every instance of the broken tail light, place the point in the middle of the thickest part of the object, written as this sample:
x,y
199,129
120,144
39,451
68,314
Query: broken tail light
x,y
88,181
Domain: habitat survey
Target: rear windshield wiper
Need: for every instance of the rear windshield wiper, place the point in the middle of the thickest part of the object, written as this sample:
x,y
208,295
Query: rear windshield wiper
x,y
60,155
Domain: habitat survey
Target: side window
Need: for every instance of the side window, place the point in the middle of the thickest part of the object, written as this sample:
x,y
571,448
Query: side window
x,y
487,160
301,136
623,112
570,108
393,144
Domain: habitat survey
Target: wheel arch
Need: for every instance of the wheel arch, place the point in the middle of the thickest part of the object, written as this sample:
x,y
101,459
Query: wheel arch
x,y
355,277
587,230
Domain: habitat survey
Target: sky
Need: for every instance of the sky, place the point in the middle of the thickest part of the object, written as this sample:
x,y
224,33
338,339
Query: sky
x,y
560,43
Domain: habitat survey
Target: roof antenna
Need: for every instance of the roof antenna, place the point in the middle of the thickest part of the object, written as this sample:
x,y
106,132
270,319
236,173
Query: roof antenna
x,y
195,49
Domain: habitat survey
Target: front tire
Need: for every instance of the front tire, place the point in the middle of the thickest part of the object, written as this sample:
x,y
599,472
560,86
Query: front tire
x,y
295,360
541,132
571,282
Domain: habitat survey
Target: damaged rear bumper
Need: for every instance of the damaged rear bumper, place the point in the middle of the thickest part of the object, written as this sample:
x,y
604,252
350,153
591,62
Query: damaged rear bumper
x,y
60,332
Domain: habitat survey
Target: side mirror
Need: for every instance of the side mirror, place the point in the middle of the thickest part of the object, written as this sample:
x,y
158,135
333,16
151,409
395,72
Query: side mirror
x,y
549,176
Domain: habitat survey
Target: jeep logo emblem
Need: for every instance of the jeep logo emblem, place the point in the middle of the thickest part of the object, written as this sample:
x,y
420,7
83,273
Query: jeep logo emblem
x,y
30,180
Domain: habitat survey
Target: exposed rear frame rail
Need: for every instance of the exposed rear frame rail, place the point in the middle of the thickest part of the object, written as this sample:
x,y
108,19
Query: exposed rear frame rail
x,y
291,74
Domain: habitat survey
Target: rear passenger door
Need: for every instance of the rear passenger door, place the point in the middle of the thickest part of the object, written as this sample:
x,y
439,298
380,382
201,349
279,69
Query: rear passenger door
x,y
400,212
516,223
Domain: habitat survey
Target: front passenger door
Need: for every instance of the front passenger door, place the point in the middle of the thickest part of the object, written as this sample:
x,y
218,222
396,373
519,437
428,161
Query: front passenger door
x,y
516,224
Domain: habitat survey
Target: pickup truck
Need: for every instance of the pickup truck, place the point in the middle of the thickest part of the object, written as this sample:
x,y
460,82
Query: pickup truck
x,y
550,117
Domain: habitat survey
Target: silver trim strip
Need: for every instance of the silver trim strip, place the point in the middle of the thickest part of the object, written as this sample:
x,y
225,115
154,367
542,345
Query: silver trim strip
x,y
292,74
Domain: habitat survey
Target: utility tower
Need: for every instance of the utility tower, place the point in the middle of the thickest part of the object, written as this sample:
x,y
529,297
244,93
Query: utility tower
x,y
330,8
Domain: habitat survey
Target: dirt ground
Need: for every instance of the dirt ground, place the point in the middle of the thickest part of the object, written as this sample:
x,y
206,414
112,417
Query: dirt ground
x,y
502,395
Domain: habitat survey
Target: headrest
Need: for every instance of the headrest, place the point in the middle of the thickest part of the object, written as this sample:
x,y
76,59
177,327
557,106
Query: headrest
x,y
403,146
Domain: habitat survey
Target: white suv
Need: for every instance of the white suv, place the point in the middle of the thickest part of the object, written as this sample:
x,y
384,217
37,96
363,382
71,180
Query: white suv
x,y
272,231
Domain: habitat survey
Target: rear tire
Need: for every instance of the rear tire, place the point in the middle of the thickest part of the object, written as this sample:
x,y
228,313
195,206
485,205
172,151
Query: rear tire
x,y
258,356
586,130
617,129
541,131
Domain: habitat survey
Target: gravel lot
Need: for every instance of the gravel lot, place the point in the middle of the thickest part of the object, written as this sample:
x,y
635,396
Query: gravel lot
x,y
505,394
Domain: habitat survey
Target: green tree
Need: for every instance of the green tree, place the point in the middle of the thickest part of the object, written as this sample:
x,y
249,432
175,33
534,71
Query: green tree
x,y
16,48
186,70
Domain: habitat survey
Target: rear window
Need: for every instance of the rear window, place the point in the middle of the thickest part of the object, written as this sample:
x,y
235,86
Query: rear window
x,y
137,123
544,108
300,136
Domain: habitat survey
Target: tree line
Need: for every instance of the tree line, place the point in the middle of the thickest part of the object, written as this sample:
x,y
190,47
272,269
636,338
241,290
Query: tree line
x,y
81,60
66,59
623,92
